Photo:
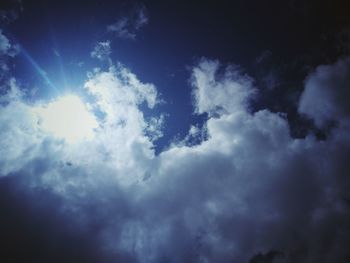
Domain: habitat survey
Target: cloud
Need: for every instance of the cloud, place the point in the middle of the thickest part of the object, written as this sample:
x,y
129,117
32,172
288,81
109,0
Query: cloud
x,y
247,192
263,57
56,52
4,44
326,93
7,50
102,50
10,12
214,92
126,27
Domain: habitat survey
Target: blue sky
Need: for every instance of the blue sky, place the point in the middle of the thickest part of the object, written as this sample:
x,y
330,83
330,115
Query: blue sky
x,y
174,131
63,52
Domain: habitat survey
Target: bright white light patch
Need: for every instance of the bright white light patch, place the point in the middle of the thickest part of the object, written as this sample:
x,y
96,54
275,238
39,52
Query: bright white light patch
x,y
68,118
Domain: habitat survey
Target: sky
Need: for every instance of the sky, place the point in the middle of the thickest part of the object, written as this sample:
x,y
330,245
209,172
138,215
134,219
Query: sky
x,y
175,131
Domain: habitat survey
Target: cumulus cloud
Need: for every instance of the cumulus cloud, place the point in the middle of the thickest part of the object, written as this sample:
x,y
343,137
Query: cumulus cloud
x,y
326,93
216,92
248,192
127,26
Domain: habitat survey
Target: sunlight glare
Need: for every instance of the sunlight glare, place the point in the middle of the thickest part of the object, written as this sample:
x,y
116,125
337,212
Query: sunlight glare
x,y
68,118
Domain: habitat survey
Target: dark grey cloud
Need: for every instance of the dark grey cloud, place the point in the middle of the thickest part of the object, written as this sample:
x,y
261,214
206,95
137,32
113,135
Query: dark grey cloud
x,y
35,229
246,192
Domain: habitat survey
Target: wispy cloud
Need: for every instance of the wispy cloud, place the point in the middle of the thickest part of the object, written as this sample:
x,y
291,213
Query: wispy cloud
x,y
8,50
127,26
102,50
10,13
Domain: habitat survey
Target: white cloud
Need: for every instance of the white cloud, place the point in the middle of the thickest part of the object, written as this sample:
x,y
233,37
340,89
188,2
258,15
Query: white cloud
x,y
126,27
217,93
102,50
68,118
119,139
249,187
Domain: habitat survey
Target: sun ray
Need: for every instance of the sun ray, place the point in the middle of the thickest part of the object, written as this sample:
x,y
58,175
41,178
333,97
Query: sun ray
x,y
42,73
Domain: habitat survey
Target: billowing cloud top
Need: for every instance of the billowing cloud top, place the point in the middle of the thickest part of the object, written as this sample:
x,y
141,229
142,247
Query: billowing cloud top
x,y
326,93
214,93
